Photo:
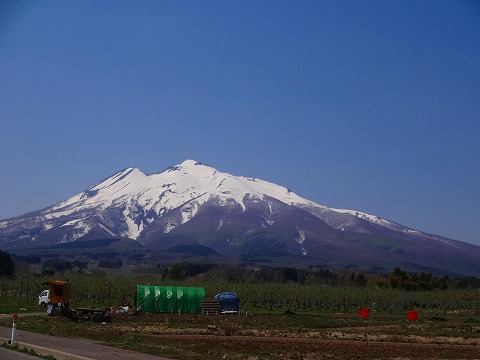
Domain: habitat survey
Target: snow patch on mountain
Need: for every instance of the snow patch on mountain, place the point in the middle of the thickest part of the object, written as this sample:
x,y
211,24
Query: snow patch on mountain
x,y
301,236
107,230
300,239
188,211
47,226
71,222
169,227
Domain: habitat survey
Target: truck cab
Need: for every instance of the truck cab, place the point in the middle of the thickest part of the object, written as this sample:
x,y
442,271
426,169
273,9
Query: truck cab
x,y
44,298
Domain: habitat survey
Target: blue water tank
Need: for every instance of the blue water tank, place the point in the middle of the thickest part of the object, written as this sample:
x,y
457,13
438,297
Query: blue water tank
x,y
229,302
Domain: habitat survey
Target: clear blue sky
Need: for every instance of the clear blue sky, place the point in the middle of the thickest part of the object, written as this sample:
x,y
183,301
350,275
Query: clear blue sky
x,y
365,105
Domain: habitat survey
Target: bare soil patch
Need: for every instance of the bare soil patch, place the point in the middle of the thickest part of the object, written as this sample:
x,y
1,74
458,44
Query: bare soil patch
x,y
308,338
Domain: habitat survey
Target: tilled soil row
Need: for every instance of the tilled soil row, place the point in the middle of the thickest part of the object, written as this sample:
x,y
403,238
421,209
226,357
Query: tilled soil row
x,y
338,349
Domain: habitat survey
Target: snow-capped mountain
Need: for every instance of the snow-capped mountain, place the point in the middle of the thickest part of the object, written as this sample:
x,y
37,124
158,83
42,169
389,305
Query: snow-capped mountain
x,y
237,217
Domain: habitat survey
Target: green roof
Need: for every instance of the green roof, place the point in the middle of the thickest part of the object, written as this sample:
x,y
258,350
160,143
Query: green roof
x,y
170,299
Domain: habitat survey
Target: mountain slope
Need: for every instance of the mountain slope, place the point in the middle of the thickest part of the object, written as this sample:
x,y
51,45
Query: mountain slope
x,y
193,204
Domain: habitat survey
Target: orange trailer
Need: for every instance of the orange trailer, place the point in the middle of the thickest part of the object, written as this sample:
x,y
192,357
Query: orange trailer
x,y
59,292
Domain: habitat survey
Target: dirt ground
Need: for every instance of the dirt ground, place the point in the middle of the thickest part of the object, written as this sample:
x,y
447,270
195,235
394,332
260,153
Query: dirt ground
x,y
312,349
386,341
277,337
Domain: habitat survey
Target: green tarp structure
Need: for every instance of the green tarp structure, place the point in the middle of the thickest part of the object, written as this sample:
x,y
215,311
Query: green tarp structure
x,y
170,299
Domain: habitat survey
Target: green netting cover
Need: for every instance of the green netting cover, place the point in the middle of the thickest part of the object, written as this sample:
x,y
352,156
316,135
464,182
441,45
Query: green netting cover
x,y
170,299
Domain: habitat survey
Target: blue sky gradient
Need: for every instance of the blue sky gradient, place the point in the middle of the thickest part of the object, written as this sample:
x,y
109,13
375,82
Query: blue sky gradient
x,y
365,105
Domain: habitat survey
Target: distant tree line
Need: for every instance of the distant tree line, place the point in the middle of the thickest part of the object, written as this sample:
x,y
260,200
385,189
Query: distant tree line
x,y
29,259
470,282
110,263
242,274
61,265
56,265
396,279
315,275
400,279
7,266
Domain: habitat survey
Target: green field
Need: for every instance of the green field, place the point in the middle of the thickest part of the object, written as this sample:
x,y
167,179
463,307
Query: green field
x,y
276,310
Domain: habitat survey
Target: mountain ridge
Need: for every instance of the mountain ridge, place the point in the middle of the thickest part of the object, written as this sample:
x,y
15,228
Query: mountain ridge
x,y
238,217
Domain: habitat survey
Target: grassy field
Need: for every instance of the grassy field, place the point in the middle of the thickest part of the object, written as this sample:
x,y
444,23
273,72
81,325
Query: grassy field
x,y
11,305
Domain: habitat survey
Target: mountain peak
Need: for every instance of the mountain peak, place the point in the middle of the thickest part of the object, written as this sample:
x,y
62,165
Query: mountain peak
x,y
187,164
191,163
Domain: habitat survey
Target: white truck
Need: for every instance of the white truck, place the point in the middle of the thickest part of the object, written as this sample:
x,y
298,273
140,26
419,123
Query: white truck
x,y
44,298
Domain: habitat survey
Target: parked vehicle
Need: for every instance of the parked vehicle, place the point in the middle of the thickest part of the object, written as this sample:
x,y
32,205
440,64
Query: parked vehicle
x,y
57,301
44,298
